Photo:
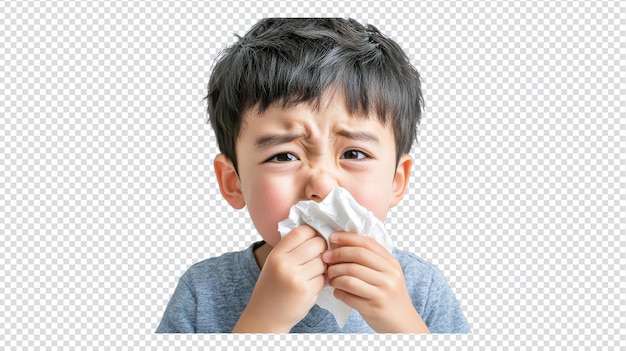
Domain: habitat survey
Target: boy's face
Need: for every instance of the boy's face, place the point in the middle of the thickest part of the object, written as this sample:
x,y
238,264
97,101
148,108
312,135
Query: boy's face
x,y
288,155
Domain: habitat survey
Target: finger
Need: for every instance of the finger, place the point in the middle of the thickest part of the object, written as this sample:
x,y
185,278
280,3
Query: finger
x,y
317,283
354,239
358,255
354,301
309,249
295,238
353,286
367,275
313,269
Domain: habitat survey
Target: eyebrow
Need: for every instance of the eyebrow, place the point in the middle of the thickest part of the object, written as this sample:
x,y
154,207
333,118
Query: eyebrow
x,y
359,136
268,141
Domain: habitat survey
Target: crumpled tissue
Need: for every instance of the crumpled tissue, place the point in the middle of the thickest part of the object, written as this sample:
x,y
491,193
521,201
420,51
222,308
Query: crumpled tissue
x,y
339,211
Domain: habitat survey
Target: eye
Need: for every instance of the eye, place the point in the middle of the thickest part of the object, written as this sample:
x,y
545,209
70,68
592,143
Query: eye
x,y
354,155
283,157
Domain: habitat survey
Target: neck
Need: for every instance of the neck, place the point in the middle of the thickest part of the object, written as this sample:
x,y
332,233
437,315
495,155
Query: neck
x,y
261,253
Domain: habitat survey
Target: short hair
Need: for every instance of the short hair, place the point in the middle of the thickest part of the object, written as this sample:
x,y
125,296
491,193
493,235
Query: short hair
x,y
291,61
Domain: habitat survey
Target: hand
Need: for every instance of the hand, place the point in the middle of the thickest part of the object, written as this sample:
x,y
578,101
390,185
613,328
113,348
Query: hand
x,y
369,279
291,279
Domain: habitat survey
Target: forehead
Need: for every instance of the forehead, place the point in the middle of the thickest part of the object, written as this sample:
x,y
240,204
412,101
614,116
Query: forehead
x,y
310,122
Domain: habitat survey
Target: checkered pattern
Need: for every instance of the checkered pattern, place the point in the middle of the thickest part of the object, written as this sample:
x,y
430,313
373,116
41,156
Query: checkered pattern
x,y
107,193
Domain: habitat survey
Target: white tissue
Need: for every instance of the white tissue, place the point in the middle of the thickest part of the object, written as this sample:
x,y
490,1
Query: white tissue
x,y
339,211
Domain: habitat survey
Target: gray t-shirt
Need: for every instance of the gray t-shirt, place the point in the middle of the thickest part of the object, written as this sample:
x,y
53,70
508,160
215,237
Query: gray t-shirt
x,y
213,293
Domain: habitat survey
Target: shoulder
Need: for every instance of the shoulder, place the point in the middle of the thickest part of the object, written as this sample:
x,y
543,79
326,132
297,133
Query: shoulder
x,y
416,267
431,294
216,269
223,262
421,274
211,294
422,278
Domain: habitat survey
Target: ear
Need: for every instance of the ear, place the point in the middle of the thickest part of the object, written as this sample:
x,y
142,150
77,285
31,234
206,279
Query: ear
x,y
228,181
400,179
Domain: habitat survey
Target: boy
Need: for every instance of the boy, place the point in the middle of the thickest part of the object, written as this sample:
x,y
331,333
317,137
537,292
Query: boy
x,y
299,107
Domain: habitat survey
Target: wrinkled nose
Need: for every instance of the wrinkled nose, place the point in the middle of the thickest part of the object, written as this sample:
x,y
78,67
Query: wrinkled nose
x,y
319,185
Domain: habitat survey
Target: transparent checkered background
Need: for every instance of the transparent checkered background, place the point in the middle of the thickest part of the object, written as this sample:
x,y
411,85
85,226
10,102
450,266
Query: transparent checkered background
x,y
107,193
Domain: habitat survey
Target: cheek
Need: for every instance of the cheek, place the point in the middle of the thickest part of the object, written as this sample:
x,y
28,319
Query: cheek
x,y
374,196
268,203
375,201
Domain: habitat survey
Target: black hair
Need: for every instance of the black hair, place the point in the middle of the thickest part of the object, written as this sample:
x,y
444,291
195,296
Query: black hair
x,y
291,61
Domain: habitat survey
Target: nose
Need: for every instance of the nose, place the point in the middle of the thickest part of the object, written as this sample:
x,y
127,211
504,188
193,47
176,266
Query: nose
x,y
319,185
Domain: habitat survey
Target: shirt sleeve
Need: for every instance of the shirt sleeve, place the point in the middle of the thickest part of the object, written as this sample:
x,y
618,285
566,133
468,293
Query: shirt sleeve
x,y
180,313
442,312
